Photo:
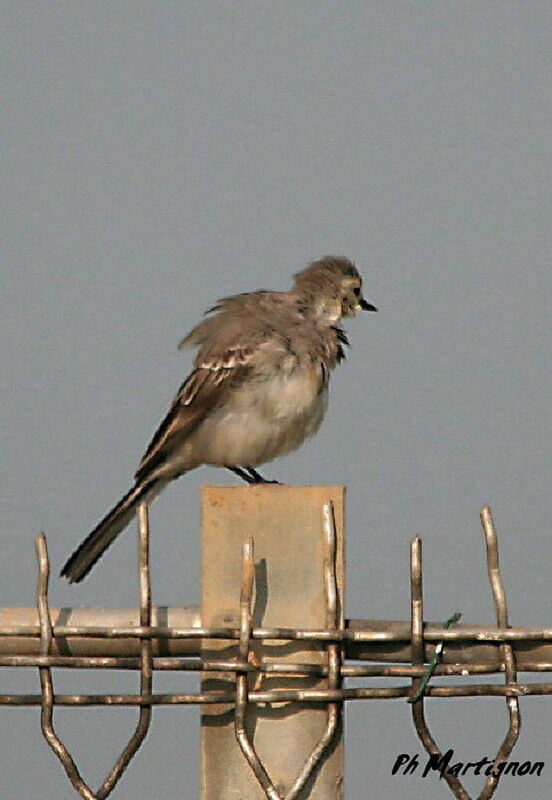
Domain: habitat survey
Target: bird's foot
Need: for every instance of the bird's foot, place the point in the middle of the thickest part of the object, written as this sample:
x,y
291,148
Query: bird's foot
x,y
241,473
257,477
249,475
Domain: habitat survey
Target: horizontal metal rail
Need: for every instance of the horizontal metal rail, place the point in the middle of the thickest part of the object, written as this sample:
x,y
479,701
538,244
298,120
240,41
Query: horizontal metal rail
x,y
264,668
467,634
283,695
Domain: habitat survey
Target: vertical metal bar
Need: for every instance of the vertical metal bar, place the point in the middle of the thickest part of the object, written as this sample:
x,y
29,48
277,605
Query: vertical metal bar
x,y
506,650
46,683
240,713
417,634
333,651
146,661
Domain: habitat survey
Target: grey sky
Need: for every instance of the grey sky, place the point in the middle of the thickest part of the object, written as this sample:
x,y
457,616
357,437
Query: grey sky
x,y
156,156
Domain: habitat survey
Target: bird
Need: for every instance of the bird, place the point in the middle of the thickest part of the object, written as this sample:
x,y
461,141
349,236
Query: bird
x,y
258,388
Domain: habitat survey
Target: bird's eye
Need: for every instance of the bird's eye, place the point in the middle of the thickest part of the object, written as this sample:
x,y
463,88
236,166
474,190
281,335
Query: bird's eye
x,y
356,291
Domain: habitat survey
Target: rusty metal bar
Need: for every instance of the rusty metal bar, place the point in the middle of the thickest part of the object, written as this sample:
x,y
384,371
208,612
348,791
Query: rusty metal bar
x,y
307,696
146,667
333,710
392,670
390,639
240,713
417,623
265,667
115,662
462,644
21,631
369,632
47,699
499,597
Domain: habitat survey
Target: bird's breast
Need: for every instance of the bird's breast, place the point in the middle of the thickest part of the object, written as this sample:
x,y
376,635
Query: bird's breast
x,y
265,417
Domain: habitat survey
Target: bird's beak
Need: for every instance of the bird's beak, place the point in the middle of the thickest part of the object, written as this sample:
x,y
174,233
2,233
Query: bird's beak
x,y
366,306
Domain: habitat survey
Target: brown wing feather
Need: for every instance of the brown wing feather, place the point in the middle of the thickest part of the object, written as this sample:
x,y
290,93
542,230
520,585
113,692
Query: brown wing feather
x,y
202,391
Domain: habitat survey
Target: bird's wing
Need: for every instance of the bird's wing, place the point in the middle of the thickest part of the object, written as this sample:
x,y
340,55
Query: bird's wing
x,y
203,390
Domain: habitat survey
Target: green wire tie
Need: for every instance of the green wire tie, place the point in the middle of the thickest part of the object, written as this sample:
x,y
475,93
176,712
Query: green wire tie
x,y
436,659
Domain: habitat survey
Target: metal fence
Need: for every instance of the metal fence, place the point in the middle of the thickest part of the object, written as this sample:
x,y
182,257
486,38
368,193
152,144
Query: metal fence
x,y
431,650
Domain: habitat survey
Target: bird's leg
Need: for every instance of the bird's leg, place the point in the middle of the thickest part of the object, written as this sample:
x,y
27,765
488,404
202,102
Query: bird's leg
x,y
241,473
256,477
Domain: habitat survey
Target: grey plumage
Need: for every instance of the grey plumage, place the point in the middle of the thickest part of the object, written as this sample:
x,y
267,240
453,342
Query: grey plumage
x,y
257,390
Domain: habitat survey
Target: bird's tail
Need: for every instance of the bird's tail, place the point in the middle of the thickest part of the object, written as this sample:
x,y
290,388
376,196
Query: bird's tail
x,y
96,543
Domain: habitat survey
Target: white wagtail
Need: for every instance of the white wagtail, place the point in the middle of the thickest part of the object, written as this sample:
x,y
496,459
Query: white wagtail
x,y
258,389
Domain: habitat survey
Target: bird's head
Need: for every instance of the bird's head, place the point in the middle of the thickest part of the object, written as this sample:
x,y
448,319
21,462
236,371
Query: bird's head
x,y
334,287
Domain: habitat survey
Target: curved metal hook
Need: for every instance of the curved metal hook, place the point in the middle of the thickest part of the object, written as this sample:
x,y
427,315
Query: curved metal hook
x,y
146,670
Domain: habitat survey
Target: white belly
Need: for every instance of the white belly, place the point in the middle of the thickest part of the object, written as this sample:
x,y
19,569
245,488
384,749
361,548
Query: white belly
x,y
265,419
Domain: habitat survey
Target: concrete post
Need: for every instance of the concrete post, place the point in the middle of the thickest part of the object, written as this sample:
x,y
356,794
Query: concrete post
x,y
286,525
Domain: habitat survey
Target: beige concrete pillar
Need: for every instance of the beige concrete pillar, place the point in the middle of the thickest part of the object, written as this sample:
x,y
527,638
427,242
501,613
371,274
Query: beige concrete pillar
x,y
285,523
